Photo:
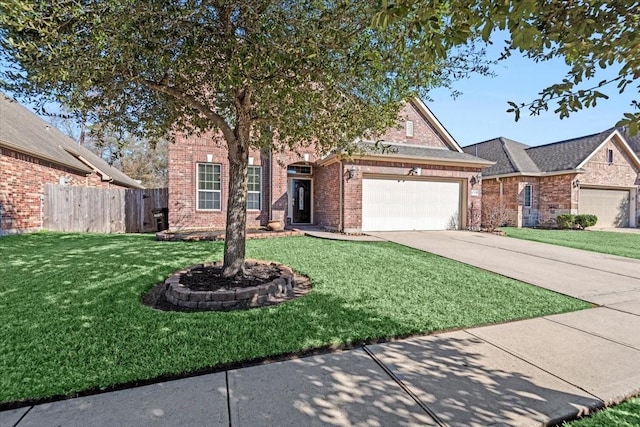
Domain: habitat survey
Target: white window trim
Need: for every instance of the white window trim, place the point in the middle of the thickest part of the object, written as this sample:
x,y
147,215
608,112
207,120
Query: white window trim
x,y
609,156
198,208
408,128
259,192
530,196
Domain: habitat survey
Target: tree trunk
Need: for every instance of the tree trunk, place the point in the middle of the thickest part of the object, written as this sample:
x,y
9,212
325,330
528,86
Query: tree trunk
x,y
234,244
238,154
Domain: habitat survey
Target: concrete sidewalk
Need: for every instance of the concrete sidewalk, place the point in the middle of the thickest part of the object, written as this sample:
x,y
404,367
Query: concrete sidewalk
x,y
526,373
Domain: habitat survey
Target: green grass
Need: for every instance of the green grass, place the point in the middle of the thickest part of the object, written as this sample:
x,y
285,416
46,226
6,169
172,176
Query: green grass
x,y
608,242
71,317
627,414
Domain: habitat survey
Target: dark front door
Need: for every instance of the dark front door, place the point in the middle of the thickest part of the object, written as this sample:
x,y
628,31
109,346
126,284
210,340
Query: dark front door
x,y
301,201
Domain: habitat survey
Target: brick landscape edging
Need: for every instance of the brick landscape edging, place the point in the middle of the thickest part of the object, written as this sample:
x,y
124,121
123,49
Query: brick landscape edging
x,y
222,299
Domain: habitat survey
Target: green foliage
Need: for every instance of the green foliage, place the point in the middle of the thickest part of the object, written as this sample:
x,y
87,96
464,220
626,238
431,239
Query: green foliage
x,y
588,35
586,220
72,317
626,414
314,70
565,221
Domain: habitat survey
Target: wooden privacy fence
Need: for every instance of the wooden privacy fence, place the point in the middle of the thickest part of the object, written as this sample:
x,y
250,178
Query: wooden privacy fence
x,y
101,210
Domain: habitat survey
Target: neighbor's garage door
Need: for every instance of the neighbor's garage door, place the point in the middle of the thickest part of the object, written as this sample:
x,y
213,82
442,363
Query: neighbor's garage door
x,y
610,206
392,204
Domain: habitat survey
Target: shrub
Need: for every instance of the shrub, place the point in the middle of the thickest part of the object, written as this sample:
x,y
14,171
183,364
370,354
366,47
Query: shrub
x,y
494,213
566,220
586,220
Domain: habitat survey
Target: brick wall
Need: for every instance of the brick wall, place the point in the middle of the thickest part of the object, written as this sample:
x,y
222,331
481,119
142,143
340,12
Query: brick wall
x,y
327,196
600,172
22,179
188,151
423,132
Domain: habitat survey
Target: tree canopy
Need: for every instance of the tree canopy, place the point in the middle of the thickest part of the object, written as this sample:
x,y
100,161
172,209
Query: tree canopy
x,y
589,35
314,72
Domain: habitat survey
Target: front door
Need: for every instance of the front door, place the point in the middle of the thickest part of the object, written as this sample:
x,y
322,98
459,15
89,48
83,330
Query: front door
x,y
301,197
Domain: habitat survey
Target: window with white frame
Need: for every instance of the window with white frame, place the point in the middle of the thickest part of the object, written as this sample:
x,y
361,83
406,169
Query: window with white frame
x,y
254,187
408,127
527,196
209,185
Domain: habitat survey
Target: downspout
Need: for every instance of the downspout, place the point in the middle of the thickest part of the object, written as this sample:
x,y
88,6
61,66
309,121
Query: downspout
x,y
341,204
271,182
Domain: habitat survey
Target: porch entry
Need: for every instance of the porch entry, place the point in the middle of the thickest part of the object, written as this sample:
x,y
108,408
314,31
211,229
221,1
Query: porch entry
x,y
300,198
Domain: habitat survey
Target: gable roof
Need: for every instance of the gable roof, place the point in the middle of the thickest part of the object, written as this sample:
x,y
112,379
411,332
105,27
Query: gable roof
x,y
509,156
514,158
633,141
435,124
22,130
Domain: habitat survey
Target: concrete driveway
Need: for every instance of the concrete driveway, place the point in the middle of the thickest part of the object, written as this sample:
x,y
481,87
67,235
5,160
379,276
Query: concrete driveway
x,y
598,278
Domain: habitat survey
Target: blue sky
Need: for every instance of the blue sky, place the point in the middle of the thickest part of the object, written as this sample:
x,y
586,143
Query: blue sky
x,y
480,113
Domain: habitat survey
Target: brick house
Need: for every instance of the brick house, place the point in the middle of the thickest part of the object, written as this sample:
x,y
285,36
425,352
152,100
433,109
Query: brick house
x,y
420,180
34,153
596,174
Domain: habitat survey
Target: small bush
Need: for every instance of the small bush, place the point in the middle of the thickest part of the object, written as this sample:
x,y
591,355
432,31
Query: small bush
x,y
586,220
494,213
566,221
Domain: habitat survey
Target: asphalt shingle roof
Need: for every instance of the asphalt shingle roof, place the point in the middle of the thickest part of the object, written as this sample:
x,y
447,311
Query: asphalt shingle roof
x,y
24,131
510,156
566,155
404,150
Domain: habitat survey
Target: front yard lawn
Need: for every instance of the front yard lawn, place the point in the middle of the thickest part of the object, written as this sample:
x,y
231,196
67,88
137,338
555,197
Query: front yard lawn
x,y
608,242
626,414
72,321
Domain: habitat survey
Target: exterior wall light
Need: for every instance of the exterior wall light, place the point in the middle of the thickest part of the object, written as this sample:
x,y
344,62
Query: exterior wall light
x,y
351,172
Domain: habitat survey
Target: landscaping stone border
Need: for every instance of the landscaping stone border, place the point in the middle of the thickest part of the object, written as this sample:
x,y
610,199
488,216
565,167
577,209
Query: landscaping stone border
x,y
278,290
201,235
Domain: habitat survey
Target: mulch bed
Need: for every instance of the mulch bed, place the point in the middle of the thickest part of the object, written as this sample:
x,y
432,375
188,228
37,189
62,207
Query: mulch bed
x,y
211,279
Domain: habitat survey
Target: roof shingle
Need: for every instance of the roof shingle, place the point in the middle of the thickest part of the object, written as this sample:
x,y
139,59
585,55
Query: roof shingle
x,y
24,131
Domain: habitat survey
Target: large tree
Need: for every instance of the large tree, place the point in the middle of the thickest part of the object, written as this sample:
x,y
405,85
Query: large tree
x,y
263,73
589,35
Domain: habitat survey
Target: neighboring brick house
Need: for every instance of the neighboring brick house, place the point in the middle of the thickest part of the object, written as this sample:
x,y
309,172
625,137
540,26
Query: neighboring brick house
x,y
596,174
421,180
33,153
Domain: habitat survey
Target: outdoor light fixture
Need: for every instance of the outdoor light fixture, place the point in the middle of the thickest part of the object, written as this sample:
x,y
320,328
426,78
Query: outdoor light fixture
x,y
351,172
475,179
576,183
415,171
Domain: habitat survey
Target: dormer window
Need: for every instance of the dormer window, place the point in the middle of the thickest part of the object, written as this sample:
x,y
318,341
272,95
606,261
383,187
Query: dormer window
x,y
609,156
408,127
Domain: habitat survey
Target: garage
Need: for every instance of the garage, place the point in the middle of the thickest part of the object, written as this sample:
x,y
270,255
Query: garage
x,y
410,204
610,206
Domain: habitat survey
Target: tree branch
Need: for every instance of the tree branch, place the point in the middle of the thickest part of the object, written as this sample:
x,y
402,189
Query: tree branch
x,y
192,102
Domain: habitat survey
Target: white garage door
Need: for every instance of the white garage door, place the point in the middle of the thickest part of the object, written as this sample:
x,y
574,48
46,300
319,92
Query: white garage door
x,y
610,206
391,204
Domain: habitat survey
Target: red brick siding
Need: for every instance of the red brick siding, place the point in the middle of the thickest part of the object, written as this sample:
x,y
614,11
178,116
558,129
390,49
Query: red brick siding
x,y
22,179
557,194
327,196
188,151
423,132
550,196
